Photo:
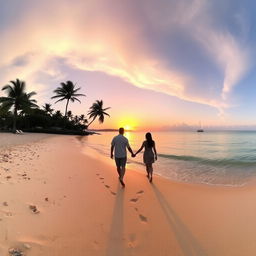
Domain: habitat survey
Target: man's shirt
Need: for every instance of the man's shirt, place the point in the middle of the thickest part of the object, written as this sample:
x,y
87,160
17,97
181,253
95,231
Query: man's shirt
x,y
120,144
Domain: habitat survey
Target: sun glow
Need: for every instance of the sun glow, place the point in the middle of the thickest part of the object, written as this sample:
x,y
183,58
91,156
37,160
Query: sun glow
x,y
129,124
127,127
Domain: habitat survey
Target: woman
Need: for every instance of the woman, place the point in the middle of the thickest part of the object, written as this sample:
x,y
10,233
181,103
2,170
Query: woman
x,y
149,155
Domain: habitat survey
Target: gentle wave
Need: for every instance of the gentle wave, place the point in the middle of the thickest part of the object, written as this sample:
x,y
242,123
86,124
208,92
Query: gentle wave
x,y
225,159
246,162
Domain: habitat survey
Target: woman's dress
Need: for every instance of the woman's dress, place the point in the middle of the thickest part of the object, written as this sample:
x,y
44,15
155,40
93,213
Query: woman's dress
x,y
148,156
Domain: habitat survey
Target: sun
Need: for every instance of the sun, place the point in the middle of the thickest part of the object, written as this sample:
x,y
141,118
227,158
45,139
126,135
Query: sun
x,y
129,124
127,128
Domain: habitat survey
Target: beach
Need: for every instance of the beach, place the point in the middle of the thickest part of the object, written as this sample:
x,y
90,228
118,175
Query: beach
x,y
57,200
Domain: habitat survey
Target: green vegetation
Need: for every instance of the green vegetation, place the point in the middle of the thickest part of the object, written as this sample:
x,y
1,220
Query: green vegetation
x,y
19,111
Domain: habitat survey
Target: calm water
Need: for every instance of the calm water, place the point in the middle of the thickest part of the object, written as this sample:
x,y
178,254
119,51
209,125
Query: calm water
x,y
217,158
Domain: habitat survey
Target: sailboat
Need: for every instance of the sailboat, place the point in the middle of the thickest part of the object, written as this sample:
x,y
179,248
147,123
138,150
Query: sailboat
x,y
200,128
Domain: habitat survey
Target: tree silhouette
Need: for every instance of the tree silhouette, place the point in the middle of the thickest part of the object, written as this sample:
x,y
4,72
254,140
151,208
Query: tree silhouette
x,y
17,98
47,108
97,110
67,92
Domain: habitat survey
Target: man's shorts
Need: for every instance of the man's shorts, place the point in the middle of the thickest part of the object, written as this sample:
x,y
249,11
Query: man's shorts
x,y
121,162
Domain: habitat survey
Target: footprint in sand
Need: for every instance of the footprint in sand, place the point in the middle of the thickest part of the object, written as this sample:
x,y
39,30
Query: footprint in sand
x,y
95,244
8,214
132,241
134,200
132,237
143,218
106,185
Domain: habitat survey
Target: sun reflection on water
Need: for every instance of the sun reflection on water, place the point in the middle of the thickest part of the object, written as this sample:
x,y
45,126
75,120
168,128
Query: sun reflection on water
x,y
129,135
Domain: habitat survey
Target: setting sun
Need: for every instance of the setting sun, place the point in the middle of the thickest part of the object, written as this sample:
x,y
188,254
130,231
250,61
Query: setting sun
x,y
127,127
129,124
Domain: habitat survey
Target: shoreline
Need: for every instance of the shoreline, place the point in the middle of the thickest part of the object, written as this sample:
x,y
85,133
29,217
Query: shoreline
x,y
94,153
83,210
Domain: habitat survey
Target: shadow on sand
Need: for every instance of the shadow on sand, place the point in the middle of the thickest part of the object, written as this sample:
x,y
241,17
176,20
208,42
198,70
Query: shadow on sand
x,y
116,243
188,243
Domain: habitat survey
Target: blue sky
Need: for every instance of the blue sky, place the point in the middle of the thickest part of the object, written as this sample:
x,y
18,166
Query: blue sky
x,y
160,63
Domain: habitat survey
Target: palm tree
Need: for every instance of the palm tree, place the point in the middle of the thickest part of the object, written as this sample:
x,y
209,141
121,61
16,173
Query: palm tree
x,y
17,98
69,115
57,114
67,92
76,119
47,108
97,110
28,104
4,111
81,117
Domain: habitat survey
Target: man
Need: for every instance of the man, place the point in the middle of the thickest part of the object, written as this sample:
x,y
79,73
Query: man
x,y
120,143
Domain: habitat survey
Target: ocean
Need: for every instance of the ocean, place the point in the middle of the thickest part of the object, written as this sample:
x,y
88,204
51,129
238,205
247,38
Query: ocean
x,y
213,157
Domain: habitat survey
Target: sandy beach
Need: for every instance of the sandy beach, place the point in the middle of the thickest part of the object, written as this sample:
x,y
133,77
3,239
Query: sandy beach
x,y
56,200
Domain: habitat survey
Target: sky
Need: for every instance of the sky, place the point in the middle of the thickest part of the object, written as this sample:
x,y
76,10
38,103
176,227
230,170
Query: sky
x,y
159,64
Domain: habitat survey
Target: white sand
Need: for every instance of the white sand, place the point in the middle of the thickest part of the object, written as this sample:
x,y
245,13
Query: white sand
x,y
84,211
11,139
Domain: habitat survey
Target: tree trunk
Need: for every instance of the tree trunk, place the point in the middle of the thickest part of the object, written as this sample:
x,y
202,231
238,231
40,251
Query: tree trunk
x,y
66,107
91,122
14,119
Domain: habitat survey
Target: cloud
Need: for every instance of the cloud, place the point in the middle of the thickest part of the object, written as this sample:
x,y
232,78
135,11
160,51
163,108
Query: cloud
x,y
125,39
231,55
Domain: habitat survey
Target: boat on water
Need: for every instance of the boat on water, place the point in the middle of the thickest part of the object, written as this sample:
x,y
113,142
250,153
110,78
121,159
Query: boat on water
x,y
200,128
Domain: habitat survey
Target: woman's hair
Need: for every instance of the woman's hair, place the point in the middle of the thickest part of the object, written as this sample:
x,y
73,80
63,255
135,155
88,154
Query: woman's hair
x,y
150,142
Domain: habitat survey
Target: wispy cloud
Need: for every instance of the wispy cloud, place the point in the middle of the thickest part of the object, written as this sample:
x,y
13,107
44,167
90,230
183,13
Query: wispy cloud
x,y
228,52
124,40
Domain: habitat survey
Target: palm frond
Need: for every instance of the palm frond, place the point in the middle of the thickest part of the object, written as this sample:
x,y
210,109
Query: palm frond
x,y
60,100
75,99
57,96
6,99
104,113
78,94
6,87
31,94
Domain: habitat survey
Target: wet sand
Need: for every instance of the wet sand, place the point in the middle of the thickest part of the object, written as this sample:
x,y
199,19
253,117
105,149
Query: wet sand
x,y
56,200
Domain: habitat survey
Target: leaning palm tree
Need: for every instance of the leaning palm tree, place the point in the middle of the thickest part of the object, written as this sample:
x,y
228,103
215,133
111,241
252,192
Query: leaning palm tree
x,y
67,92
97,110
17,98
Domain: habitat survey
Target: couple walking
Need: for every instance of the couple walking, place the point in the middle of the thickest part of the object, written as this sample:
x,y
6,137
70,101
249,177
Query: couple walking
x,y
119,145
